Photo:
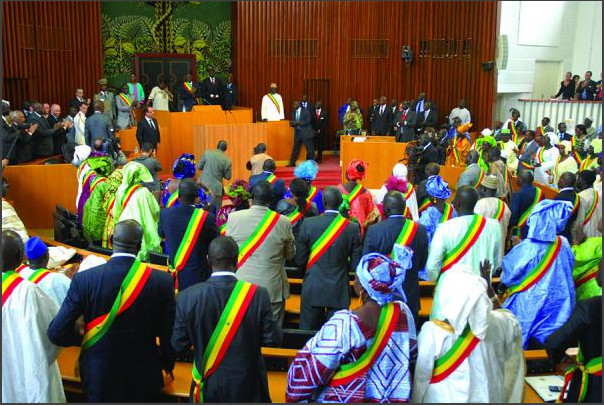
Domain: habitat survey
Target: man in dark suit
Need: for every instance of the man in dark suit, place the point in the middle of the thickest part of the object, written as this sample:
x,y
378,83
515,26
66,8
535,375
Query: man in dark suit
x,y
305,104
371,113
419,105
148,129
60,137
528,148
231,93
98,125
325,289
211,89
278,185
43,137
23,150
587,88
522,200
173,223
429,154
382,119
381,237
78,99
303,133
428,117
319,119
404,122
566,191
125,364
241,375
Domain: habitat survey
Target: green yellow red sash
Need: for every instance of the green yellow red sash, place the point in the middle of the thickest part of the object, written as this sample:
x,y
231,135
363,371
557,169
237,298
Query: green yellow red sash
x,y
313,192
354,193
587,163
319,247
539,271
128,194
131,287
592,209
275,102
188,242
10,280
189,88
500,210
586,276
271,178
450,360
447,213
524,218
172,199
540,156
480,178
223,335
474,230
111,204
542,130
593,367
296,215
223,229
408,195
425,204
97,181
527,166
514,132
83,166
389,316
267,223
406,235
576,204
87,179
38,275
573,142
457,156
125,99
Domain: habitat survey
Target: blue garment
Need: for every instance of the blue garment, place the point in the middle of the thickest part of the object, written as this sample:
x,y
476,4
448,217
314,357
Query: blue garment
x,y
548,304
430,218
318,200
279,187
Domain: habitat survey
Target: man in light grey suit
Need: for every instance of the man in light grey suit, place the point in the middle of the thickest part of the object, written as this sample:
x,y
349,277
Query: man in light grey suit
x,y
108,99
528,148
470,176
265,266
215,166
97,125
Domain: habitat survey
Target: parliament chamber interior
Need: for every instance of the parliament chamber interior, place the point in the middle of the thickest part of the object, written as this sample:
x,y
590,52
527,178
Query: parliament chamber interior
x,y
301,201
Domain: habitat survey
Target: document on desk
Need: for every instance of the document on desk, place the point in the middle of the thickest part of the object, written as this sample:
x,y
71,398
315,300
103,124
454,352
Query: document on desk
x,y
541,385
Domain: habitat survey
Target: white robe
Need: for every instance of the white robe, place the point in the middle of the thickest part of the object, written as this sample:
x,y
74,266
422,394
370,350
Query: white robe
x,y
568,165
511,160
30,373
12,221
587,197
487,207
549,161
411,202
55,285
269,111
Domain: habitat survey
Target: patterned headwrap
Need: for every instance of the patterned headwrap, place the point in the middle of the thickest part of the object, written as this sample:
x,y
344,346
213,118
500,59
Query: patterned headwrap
x,y
567,146
548,218
101,165
463,128
357,169
307,170
437,187
184,167
239,191
382,277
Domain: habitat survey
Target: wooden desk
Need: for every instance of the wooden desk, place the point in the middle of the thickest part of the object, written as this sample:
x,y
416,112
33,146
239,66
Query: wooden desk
x,y
280,140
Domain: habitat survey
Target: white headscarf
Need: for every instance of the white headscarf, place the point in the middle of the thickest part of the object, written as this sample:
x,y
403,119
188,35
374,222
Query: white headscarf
x,y
400,171
553,138
461,298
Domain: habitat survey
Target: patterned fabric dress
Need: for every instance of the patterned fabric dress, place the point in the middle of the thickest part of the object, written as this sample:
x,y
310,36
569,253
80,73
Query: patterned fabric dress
x,y
363,209
342,340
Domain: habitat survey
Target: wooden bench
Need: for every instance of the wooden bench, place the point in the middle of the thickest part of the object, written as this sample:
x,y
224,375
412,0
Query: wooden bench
x,y
178,389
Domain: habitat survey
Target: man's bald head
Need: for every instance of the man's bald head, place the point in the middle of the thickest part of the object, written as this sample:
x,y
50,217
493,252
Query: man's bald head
x,y
12,250
223,254
394,203
188,191
127,237
465,200
567,179
269,165
332,198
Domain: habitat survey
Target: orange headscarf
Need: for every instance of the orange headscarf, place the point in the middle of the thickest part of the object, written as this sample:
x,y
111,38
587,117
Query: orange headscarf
x,y
357,169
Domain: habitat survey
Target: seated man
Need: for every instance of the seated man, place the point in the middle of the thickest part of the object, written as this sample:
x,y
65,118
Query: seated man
x,y
256,162
10,218
268,173
537,277
466,315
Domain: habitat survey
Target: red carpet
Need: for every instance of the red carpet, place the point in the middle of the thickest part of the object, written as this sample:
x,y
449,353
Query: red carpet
x,y
329,174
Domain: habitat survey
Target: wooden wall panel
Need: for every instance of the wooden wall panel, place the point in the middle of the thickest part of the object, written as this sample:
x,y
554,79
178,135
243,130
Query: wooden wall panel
x,y
336,24
48,49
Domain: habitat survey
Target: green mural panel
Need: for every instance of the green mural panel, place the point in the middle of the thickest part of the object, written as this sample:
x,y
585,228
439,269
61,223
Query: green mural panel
x,y
187,27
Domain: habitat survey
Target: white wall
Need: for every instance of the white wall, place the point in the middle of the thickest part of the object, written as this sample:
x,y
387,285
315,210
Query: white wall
x,y
576,42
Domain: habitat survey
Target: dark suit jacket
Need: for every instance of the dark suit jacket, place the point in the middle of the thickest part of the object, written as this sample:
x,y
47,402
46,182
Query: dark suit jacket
x,y
42,139
326,282
60,137
309,106
24,145
406,127
381,123
207,88
231,95
146,133
304,129
278,187
126,364
10,136
319,124
76,103
590,90
173,223
241,376
430,154
521,201
431,120
569,196
381,237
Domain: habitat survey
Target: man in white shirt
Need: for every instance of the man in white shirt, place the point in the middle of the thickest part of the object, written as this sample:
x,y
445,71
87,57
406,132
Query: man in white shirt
x,y
272,105
80,124
461,112
54,284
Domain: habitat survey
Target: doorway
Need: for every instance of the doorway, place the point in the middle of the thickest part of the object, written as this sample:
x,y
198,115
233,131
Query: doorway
x,y
548,75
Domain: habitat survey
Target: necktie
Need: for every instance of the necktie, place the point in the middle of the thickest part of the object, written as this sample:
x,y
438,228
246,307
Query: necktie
x,y
297,115
152,124
381,110
212,80
318,114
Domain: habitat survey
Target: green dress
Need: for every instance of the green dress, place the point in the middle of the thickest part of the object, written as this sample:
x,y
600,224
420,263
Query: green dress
x,y
95,214
587,260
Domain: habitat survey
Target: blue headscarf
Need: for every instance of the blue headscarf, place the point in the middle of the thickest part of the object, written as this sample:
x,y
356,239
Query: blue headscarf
x,y
437,187
382,277
548,218
184,167
307,170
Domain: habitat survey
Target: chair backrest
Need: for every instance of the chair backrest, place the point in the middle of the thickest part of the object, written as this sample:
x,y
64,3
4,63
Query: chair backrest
x,y
157,258
68,150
